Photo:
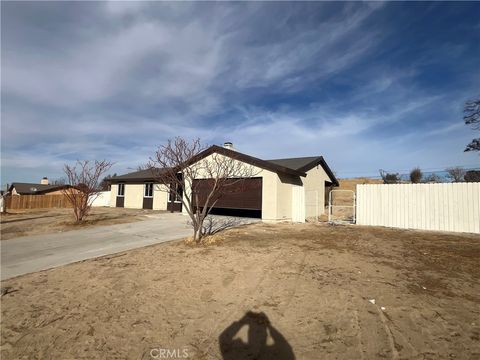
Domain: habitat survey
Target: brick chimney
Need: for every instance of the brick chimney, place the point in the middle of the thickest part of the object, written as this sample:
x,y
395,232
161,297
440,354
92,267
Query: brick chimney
x,y
44,181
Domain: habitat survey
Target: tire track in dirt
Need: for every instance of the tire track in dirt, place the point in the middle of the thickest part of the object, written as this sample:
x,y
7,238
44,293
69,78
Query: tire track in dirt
x,y
388,331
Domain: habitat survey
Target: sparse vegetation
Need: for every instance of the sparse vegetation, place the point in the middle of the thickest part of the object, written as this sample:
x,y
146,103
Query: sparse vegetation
x,y
472,176
28,222
84,178
390,178
433,178
416,175
314,283
456,174
472,118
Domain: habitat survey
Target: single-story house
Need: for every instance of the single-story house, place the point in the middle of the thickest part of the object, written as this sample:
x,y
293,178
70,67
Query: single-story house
x,y
44,188
292,189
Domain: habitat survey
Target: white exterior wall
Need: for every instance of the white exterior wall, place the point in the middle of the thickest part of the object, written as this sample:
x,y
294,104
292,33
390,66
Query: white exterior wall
x,y
298,203
444,207
314,185
113,195
103,199
160,197
133,196
284,199
276,195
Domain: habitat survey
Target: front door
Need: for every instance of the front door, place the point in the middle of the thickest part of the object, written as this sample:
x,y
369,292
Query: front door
x,y
148,195
120,195
174,199
120,201
148,202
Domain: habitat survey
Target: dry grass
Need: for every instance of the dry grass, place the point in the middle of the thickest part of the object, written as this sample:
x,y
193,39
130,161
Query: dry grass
x,y
309,285
41,221
351,184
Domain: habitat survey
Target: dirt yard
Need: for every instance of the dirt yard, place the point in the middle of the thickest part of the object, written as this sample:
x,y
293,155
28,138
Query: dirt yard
x,y
41,221
310,291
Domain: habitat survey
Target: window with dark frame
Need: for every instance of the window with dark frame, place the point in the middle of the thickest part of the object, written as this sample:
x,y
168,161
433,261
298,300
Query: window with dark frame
x,y
148,190
175,196
121,190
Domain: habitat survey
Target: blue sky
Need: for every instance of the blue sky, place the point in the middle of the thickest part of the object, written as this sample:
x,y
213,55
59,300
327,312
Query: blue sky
x,y
366,85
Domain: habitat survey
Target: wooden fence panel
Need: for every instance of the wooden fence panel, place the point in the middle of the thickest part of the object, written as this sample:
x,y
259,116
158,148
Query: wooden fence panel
x,y
445,207
17,202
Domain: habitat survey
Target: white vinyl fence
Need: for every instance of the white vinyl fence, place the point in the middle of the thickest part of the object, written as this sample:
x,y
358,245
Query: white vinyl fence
x,y
445,207
103,199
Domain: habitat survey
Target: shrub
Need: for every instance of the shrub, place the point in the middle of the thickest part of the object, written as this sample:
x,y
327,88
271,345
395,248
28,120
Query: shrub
x,y
433,178
472,176
416,175
456,173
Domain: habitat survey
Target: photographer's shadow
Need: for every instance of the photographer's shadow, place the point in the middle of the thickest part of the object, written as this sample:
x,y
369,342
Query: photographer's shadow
x,y
264,341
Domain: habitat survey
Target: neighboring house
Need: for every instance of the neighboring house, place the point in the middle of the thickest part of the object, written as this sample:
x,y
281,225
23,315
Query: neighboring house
x,y
282,189
43,188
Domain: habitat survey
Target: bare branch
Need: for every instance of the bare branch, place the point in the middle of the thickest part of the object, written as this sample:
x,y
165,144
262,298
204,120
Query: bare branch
x,y
471,117
456,173
84,178
176,165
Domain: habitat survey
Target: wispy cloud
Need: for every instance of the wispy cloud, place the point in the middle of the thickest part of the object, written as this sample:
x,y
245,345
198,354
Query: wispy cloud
x,y
115,79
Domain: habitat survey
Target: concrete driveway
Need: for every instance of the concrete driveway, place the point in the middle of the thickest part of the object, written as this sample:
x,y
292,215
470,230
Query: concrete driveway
x,y
28,254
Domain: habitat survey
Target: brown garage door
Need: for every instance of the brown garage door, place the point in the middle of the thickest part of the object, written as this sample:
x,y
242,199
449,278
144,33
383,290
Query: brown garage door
x,y
243,194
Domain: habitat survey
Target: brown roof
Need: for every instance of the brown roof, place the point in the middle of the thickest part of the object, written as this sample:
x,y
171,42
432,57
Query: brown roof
x,y
33,189
141,175
307,163
291,166
267,165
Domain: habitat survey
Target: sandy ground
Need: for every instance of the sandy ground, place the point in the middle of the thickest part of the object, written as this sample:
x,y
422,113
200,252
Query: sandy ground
x,y
263,292
43,221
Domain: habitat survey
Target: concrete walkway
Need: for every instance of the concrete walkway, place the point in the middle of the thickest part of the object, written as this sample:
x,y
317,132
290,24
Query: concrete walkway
x,y
27,254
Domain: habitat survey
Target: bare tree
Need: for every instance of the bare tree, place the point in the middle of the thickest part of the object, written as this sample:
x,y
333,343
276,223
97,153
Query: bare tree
x,y
471,117
105,184
389,178
83,178
433,178
416,175
456,173
177,166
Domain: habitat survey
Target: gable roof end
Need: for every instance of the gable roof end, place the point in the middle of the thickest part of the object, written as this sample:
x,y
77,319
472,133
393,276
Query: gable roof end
x,y
306,163
263,164
141,175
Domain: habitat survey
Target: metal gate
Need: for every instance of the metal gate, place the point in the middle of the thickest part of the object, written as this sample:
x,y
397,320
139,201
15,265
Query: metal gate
x,y
341,207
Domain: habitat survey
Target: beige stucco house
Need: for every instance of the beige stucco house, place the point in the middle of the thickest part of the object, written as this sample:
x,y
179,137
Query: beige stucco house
x,y
291,189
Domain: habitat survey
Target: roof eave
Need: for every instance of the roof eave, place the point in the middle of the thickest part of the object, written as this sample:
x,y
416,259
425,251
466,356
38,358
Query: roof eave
x,y
245,158
321,161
